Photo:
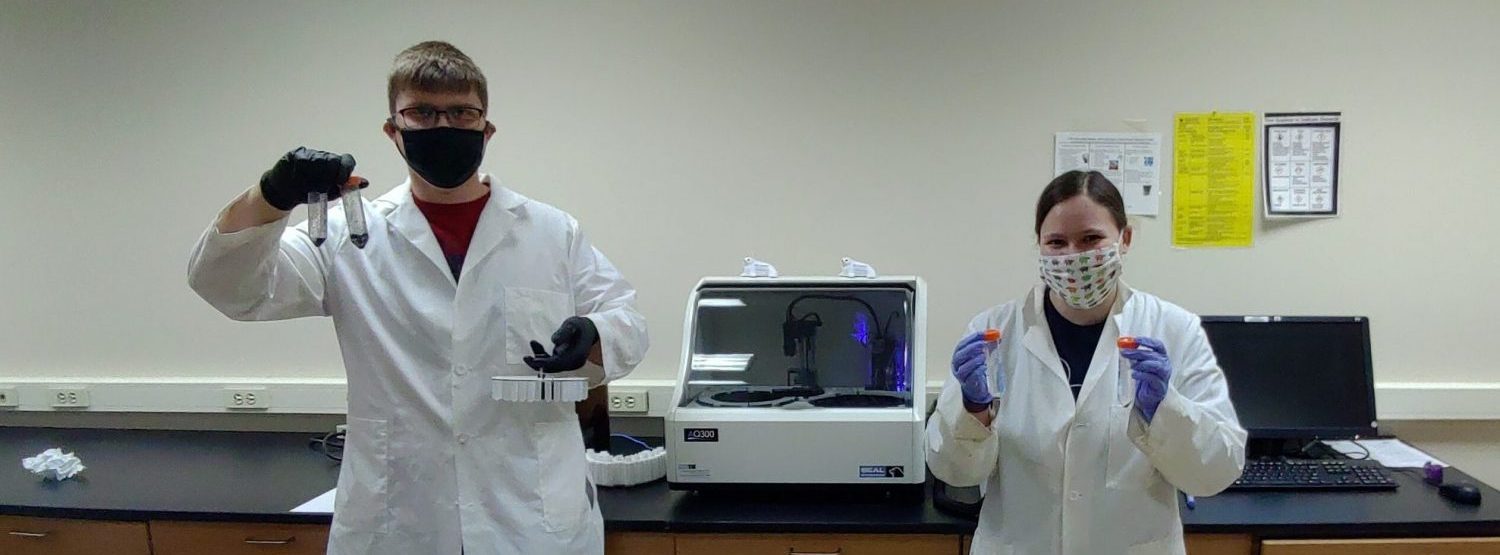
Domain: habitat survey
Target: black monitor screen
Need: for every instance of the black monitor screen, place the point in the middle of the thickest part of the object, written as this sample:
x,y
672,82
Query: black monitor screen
x,y
1297,377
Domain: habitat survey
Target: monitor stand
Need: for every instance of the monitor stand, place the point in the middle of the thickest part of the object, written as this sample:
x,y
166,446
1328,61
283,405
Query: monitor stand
x,y
1297,448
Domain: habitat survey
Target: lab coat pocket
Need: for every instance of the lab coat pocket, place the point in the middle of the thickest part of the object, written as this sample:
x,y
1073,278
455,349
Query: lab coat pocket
x,y
532,315
361,504
563,484
1128,467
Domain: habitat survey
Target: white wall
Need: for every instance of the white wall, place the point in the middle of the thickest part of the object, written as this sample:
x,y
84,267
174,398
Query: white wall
x,y
685,135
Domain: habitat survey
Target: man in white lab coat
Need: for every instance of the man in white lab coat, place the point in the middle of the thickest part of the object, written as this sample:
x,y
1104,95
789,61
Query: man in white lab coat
x,y
457,278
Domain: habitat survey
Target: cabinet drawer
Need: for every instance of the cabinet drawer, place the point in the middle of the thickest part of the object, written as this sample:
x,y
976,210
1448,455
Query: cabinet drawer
x,y
234,538
1220,544
638,543
1423,546
52,536
820,544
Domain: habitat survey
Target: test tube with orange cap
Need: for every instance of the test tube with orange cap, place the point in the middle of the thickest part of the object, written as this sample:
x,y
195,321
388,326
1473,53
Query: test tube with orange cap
x,y
991,339
1124,383
991,342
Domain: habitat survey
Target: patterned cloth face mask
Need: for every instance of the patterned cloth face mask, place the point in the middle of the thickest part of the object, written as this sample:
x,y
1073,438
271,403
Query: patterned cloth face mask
x,y
1083,280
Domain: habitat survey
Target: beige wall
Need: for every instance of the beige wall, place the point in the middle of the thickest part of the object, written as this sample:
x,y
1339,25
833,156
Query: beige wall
x,y
685,135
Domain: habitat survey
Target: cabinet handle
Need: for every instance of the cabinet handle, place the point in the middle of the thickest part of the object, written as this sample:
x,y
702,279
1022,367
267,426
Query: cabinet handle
x,y
793,551
29,534
253,541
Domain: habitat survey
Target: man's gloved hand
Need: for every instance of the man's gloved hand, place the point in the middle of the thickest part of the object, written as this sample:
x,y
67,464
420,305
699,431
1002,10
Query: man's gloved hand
x,y
973,376
1152,372
571,345
304,171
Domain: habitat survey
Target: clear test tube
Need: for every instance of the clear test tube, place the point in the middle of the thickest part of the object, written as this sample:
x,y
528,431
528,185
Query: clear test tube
x,y
317,217
354,212
1124,383
991,356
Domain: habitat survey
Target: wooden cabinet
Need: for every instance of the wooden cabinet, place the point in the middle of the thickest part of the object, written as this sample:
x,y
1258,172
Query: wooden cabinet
x,y
237,538
51,536
47,536
639,543
818,544
1220,544
1198,544
1431,546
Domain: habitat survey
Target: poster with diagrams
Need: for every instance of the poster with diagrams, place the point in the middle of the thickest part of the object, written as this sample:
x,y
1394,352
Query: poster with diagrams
x,y
1301,164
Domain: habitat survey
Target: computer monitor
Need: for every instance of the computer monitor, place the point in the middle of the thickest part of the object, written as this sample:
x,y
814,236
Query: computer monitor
x,y
1297,377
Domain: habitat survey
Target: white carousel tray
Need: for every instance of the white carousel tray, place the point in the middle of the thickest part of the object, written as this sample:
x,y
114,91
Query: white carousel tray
x,y
540,389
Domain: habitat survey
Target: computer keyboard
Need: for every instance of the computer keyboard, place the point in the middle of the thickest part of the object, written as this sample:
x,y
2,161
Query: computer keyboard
x,y
1314,475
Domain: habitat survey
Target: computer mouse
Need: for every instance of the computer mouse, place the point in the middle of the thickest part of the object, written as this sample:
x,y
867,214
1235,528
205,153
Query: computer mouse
x,y
1467,494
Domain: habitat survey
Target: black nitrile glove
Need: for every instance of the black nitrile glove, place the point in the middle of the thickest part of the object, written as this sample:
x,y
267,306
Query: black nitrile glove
x,y
571,344
304,171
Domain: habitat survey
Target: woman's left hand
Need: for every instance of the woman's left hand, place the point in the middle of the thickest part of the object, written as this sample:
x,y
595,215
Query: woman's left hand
x,y
1152,372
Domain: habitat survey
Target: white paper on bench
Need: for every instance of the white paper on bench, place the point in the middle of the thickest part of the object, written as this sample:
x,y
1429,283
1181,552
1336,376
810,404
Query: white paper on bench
x,y
320,504
1392,453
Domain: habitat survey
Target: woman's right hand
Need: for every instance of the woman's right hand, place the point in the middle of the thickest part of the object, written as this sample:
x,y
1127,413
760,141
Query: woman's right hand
x,y
972,374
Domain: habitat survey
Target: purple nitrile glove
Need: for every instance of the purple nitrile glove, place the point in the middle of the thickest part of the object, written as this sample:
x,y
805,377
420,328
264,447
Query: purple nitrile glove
x,y
1152,372
973,376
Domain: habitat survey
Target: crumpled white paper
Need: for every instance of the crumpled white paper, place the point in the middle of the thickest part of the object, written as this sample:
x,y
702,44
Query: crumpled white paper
x,y
856,269
53,464
756,268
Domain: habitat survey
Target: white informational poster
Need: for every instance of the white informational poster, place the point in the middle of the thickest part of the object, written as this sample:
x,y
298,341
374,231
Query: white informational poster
x,y
1131,160
1302,164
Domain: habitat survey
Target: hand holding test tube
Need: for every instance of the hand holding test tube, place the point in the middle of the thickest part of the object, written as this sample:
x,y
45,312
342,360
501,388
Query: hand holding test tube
x,y
315,177
973,365
1150,374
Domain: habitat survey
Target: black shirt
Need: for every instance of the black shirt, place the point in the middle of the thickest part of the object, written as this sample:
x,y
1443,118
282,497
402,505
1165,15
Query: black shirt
x,y
1075,344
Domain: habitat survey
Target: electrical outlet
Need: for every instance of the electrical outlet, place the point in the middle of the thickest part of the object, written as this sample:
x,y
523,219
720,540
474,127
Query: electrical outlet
x,y
628,401
69,397
247,398
9,397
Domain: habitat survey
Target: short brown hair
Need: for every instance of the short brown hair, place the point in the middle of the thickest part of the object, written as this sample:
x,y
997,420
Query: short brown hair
x,y
436,66
1071,184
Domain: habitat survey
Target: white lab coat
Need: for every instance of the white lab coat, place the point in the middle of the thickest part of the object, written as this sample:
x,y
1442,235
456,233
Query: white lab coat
x,y
433,464
1091,477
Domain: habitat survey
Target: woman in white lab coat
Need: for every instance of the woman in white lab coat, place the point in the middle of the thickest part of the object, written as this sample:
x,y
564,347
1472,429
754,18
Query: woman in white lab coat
x,y
1082,446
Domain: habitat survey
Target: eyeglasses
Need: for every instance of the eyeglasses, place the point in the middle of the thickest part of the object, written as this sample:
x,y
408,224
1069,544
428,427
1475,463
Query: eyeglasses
x,y
426,117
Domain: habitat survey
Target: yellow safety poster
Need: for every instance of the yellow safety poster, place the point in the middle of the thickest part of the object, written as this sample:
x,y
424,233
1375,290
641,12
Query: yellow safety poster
x,y
1213,186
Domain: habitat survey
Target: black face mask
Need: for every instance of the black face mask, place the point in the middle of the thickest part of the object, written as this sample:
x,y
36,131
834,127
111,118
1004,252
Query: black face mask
x,y
444,156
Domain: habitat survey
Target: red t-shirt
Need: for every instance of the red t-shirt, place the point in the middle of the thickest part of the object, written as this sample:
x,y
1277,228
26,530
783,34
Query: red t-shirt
x,y
453,225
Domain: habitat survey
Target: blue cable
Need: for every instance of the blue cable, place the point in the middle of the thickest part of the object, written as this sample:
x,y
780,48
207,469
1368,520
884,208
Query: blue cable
x,y
637,441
